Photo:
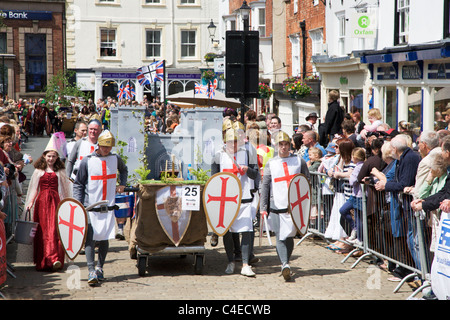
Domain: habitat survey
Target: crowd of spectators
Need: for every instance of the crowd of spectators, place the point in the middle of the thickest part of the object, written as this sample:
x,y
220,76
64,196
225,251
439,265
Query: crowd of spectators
x,y
407,167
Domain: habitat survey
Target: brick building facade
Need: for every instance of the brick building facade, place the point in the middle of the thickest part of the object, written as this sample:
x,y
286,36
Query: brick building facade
x,y
304,19
32,46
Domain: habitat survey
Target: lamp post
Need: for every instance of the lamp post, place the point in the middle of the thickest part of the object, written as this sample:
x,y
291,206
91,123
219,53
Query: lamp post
x,y
212,30
244,10
245,14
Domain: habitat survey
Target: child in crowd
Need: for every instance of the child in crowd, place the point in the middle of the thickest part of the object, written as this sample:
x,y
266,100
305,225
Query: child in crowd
x,y
355,200
374,119
315,154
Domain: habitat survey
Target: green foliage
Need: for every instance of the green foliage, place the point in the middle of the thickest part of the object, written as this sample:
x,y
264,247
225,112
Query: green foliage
x,y
143,172
59,89
200,174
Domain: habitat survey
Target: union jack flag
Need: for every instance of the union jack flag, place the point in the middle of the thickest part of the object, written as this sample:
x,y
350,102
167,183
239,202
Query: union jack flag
x,y
212,89
200,89
127,91
143,75
157,70
132,91
121,92
151,73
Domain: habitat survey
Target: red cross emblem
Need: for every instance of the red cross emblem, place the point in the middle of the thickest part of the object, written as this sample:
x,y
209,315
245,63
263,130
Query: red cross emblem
x,y
222,209
299,202
71,226
71,220
300,206
223,200
287,177
104,177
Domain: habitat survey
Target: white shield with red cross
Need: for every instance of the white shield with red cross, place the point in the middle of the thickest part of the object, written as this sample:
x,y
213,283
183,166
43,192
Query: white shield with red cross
x,y
174,221
300,202
222,200
71,222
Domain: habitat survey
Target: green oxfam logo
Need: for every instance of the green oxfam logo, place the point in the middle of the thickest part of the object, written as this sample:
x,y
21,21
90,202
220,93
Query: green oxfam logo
x,y
364,21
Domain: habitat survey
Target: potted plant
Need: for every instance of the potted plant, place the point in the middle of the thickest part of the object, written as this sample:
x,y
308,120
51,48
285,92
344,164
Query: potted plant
x,y
208,75
209,57
265,92
296,88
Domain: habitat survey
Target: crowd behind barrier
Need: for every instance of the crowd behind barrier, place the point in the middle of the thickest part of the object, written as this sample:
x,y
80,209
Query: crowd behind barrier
x,y
401,246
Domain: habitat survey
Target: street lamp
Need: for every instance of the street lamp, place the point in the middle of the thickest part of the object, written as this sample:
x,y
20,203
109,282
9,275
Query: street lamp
x,y
212,30
245,14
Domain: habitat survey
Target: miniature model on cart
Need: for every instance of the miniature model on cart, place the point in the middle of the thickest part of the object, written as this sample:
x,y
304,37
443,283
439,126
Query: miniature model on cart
x,y
169,220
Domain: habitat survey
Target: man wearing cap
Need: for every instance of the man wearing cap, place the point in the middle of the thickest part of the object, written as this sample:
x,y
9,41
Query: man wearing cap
x,y
96,181
277,174
84,146
311,120
235,159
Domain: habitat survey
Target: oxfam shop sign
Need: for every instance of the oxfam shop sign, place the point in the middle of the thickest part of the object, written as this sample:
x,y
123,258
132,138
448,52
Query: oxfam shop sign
x,y
363,25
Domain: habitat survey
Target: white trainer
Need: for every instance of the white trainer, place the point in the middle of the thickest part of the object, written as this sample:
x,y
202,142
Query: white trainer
x,y
247,271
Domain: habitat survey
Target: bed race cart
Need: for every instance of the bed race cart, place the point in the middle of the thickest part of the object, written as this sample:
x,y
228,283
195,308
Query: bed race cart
x,y
162,225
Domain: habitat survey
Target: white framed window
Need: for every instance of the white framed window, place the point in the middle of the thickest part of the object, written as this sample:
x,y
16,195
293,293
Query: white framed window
x,y
153,43
152,1
108,42
100,1
316,41
188,1
341,33
295,6
188,43
295,55
403,20
262,22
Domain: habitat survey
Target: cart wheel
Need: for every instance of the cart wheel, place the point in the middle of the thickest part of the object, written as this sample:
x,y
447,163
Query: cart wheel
x,y
142,265
198,264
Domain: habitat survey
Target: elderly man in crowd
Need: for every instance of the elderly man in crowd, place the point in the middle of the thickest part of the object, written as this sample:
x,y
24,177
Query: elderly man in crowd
x,y
405,176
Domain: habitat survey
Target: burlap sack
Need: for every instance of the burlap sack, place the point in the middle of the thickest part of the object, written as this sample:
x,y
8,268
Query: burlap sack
x,y
146,231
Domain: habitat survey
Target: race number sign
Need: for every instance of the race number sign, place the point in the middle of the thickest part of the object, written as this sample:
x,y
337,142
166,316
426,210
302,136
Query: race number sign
x,y
300,202
71,222
191,198
173,218
222,196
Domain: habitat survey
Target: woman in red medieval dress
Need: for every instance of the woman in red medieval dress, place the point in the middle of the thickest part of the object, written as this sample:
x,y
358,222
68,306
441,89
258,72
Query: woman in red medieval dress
x,y
48,186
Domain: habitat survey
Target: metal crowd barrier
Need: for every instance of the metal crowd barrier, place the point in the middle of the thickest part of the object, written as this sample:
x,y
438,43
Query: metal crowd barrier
x,y
390,230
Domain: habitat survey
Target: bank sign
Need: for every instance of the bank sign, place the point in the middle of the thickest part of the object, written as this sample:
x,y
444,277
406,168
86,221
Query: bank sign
x,y
25,15
363,25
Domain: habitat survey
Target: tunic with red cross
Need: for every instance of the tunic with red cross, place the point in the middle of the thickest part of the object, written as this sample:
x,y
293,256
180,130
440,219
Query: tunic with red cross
x,y
104,178
287,177
102,172
282,170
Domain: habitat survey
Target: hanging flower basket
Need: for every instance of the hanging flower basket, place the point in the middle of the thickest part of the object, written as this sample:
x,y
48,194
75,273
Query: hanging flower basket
x,y
208,75
265,92
296,88
210,56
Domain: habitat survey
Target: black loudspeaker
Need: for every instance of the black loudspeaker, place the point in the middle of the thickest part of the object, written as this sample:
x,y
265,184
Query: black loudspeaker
x,y
242,64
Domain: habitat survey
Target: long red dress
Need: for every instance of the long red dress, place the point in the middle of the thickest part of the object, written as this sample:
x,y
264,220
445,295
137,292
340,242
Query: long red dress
x,y
47,246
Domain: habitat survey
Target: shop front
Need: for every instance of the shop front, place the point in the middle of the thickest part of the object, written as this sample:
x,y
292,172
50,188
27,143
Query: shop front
x,y
411,84
32,46
101,84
